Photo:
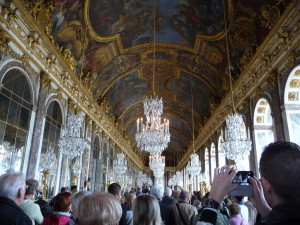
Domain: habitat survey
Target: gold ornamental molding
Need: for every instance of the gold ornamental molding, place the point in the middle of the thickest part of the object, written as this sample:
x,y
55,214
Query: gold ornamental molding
x,y
276,50
42,56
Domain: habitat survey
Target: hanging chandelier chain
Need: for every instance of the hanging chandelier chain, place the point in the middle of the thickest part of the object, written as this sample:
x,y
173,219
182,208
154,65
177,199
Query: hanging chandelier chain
x,y
193,125
228,57
154,47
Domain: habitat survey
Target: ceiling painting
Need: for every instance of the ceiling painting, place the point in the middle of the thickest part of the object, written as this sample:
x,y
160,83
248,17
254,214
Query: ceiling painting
x,y
177,21
128,89
116,38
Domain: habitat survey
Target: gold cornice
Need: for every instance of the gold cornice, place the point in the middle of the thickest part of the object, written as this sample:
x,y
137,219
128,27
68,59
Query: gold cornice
x,y
47,57
256,72
121,48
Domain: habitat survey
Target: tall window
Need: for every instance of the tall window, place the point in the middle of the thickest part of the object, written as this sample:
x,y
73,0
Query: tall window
x,y
52,130
213,161
263,126
206,161
292,105
15,114
221,154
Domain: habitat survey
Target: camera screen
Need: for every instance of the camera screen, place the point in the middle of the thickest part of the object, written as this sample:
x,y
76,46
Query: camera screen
x,y
242,177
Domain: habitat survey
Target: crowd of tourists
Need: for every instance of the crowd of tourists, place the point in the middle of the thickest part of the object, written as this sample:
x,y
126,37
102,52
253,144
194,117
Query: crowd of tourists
x,y
275,200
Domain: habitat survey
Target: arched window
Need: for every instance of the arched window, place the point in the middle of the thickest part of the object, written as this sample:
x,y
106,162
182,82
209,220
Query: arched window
x,y
213,160
53,124
15,114
292,105
221,153
263,126
206,161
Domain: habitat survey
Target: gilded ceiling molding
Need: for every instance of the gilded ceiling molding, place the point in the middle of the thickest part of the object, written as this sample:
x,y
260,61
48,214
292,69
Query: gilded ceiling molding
x,y
270,55
118,40
27,36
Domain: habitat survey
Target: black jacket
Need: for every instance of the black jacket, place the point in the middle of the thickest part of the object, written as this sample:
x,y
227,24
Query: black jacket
x,y
287,213
11,214
167,214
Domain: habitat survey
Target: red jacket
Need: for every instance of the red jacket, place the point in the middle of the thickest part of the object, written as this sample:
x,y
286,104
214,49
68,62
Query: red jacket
x,y
57,218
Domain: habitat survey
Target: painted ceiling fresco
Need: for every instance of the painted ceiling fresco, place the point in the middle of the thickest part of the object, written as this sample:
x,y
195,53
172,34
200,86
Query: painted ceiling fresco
x,y
113,42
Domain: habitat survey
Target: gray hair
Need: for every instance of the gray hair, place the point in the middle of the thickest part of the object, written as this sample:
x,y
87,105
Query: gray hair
x,y
184,195
77,197
157,191
10,183
168,191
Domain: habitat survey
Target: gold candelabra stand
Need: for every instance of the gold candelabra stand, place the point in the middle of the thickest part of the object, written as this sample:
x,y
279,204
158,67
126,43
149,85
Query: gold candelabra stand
x,y
75,178
46,174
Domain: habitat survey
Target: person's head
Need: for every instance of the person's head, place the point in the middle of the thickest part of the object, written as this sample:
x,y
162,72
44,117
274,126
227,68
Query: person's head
x,y
238,198
128,199
157,191
146,210
115,189
168,192
63,189
12,186
184,196
234,209
99,208
176,194
31,187
197,204
280,169
199,195
177,188
75,201
62,202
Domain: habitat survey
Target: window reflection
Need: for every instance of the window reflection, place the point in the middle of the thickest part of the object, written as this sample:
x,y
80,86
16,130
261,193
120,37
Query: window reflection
x,y
52,130
15,113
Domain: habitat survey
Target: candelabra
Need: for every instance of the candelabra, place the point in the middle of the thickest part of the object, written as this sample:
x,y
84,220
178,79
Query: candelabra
x,y
76,170
48,164
176,179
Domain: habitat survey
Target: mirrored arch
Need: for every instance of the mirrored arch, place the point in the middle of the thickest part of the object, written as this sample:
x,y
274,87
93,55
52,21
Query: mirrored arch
x,y
16,103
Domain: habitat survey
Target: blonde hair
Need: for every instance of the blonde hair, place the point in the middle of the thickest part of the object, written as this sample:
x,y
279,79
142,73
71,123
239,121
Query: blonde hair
x,y
146,211
128,199
99,209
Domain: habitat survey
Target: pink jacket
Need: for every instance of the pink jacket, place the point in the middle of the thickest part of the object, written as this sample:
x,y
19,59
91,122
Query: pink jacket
x,y
238,220
56,219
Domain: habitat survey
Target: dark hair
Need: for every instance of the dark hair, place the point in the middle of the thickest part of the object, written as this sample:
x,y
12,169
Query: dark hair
x,y
280,165
31,186
184,195
62,202
114,188
63,189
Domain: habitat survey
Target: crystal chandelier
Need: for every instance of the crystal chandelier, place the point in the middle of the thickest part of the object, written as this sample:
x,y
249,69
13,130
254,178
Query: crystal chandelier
x,y
237,143
48,161
143,179
72,141
120,164
157,165
176,179
153,136
193,167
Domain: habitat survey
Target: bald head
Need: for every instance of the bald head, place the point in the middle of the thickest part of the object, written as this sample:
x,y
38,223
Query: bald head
x,y
184,196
